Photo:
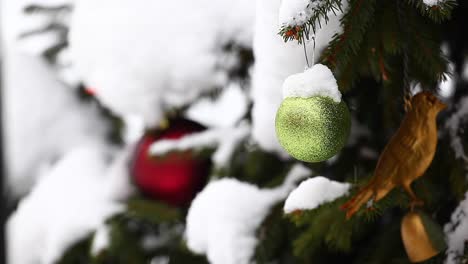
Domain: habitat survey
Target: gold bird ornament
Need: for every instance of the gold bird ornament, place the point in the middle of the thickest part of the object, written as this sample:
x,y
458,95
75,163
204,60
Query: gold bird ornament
x,y
406,157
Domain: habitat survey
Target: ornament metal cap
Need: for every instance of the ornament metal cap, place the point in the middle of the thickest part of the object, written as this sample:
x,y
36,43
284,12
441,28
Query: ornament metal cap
x,y
417,239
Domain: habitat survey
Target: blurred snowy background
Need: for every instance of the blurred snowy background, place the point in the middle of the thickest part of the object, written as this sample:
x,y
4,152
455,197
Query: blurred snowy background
x,y
139,61
84,81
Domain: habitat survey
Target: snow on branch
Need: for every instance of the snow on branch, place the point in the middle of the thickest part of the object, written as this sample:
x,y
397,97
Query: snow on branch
x,y
73,199
101,240
43,31
224,140
314,192
456,232
453,125
128,71
437,10
298,17
225,111
432,2
44,28
224,217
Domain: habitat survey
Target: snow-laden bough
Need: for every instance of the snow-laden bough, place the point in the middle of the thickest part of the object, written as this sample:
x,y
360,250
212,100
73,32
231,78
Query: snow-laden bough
x,y
223,218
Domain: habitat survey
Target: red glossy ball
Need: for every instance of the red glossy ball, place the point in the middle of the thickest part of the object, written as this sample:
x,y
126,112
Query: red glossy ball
x,y
174,178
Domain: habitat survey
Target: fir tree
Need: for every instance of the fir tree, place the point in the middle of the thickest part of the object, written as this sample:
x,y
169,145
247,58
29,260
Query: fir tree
x,y
381,54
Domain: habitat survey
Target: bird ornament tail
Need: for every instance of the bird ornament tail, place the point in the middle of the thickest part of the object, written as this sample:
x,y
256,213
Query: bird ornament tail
x,y
362,197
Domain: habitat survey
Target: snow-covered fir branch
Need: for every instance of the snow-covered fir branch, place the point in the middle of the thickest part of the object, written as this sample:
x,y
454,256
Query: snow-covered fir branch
x,y
233,211
314,192
45,27
43,31
456,232
72,200
226,110
146,81
298,17
225,140
297,12
101,240
432,2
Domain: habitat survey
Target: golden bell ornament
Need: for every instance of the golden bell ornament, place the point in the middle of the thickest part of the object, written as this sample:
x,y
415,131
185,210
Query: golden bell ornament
x,y
420,243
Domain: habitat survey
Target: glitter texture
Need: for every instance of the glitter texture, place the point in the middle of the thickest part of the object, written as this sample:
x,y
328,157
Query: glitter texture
x,y
312,129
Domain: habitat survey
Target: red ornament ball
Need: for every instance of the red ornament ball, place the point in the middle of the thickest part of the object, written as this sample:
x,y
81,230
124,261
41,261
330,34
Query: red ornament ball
x,y
176,177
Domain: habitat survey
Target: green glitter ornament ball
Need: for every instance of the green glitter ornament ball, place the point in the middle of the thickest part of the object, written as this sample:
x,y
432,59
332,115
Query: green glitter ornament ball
x,y
312,129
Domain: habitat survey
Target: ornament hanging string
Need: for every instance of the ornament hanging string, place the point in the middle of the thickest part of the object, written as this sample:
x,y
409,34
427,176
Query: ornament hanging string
x,y
313,50
406,80
305,50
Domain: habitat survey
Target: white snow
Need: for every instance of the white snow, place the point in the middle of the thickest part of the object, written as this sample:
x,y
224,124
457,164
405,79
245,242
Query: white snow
x,y
50,3
16,22
447,87
38,41
43,119
163,55
453,124
225,140
118,180
160,260
223,218
224,111
432,2
274,61
457,232
65,70
315,81
297,12
72,200
134,128
38,44
228,144
100,240
314,192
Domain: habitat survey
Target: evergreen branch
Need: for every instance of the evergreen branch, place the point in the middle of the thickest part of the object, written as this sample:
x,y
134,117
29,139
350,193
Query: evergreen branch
x,y
437,13
319,11
151,211
53,52
57,25
346,54
47,9
457,180
427,64
326,225
355,24
52,27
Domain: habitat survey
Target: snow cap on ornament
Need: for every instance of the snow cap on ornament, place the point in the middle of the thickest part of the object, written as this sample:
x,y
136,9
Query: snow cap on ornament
x,y
312,123
315,81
